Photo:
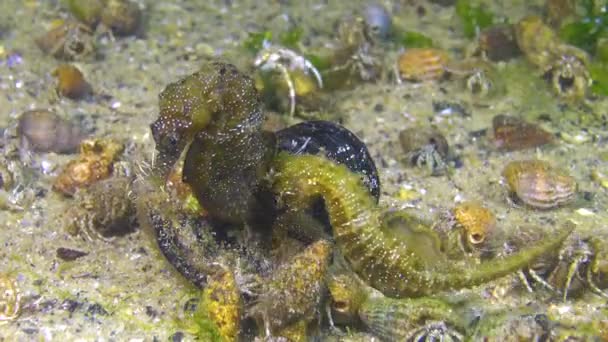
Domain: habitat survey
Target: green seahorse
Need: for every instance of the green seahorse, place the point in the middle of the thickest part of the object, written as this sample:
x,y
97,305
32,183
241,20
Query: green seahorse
x,y
376,252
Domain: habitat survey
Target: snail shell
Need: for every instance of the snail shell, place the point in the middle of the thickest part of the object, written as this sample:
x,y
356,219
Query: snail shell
x,y
71,82
378,20
476,220
44,131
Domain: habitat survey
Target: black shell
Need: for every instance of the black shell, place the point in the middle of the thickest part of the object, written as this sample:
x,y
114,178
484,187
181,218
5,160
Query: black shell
x,y
337,143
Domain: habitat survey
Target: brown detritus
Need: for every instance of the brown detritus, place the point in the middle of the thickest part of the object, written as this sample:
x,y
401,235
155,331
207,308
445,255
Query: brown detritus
x,y
44,131
67,40
94,163
71,82
539,185
104,210
512,133
422,64
68,254
498,43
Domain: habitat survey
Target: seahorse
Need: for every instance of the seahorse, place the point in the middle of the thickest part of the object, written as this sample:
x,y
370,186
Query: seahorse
x,y
383,258
216,114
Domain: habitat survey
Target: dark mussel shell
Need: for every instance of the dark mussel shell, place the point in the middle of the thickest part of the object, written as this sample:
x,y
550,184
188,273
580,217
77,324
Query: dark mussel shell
x,y
337,143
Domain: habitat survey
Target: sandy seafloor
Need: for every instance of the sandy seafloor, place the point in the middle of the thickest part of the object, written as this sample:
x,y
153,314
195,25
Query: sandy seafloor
x,y
124,290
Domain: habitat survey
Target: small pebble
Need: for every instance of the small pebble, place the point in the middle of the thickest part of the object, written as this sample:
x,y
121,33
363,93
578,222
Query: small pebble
x,y
96,309
177,337
448,108
585,212
70,305
67,254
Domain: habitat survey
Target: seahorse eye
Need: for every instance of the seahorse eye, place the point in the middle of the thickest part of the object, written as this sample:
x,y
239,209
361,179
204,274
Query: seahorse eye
x,y
171,140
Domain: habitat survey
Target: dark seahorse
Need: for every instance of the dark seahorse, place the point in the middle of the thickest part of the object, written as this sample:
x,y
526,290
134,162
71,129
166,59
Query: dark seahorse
x,y
212,118
217,114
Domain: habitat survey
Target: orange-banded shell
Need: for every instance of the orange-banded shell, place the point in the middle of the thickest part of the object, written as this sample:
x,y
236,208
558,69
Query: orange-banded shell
x,y
539,185
476,221
422,64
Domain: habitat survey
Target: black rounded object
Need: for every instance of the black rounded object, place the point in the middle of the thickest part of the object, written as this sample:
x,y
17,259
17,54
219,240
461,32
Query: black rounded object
x,y
337,143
